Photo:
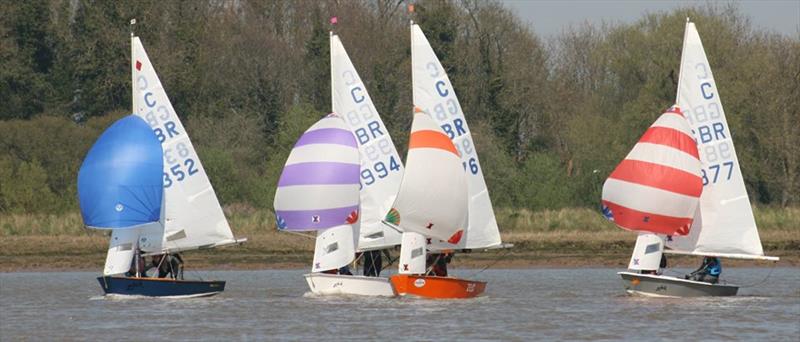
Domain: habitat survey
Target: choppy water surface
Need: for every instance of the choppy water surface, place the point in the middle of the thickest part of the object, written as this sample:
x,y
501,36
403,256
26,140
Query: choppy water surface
x,y
531,304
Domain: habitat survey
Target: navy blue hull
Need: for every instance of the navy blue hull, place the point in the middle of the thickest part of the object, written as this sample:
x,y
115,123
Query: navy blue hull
x,y
160,287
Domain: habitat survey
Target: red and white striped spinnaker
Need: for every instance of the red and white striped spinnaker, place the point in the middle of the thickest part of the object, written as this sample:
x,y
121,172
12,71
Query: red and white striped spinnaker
x,y
657,187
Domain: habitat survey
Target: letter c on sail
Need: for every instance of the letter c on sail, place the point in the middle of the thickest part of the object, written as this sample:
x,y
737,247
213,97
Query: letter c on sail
x,y
356,94
703,88
147,101
443,92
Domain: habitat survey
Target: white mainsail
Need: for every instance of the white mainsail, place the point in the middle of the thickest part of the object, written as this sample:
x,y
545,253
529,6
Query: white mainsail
x,y
192,216
381,166
724,225
434,94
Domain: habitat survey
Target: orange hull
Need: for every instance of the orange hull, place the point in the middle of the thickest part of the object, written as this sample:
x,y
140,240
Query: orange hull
x,y
436,287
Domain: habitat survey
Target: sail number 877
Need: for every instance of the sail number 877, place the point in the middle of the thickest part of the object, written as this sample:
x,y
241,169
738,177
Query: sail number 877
x,y
715,170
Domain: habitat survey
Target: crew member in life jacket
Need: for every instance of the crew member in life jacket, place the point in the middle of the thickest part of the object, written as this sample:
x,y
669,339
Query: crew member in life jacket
x,y
437,263
171,266
344,270
708,272
137,265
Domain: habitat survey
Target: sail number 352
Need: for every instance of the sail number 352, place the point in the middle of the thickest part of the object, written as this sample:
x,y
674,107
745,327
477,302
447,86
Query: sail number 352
x,y
178,169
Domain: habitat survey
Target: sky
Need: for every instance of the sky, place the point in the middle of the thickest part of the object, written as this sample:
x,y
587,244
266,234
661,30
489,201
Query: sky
x,y
549,17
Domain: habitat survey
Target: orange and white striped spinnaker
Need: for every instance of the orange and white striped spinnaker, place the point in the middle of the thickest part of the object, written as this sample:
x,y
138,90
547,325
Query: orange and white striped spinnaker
x,y
657,187
433,198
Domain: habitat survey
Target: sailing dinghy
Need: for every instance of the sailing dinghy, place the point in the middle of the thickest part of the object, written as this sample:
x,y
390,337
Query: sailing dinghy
x,y
380,173
182,210
434,94
318,190
432,204
722,223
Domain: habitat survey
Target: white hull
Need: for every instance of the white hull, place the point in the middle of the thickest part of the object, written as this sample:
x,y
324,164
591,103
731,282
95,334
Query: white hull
x,y
338,284
651,285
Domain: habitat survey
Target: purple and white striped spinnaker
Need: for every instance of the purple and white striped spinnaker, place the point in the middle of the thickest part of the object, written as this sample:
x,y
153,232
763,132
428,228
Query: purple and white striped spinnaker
x,y
319,186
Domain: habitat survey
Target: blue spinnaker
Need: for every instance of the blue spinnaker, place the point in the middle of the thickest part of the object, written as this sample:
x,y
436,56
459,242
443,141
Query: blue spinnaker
x,y
120,180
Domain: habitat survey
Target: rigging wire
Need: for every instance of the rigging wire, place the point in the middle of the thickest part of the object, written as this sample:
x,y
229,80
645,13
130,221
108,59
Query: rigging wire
x,y
501,257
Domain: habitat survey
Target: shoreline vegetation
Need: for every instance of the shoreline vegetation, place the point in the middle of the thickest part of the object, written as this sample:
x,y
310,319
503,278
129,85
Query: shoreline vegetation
x,y
577,237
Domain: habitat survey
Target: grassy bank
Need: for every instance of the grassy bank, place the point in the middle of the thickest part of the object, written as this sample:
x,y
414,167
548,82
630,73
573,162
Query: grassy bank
x,y
567,237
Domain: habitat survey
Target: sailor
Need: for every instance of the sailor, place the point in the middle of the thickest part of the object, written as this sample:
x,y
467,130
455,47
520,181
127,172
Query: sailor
x,y
708,272
437,263
175,265
345,270
157,262
372,263
137,265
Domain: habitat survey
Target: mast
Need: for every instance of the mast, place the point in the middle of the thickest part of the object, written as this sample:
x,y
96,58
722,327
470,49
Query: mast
x,y
683,55
334,20
133,75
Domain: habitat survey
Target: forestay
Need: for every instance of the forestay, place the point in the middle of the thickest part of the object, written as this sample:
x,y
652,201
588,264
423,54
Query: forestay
x,y
434,94
724,224
432,200
192,214
381,166
318,190
657,187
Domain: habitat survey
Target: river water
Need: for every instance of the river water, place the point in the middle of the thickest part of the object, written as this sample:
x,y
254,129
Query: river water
x,y
519,304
